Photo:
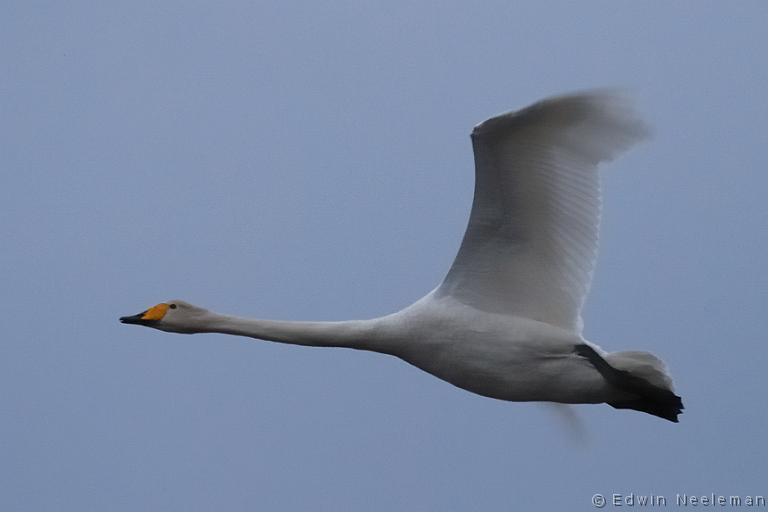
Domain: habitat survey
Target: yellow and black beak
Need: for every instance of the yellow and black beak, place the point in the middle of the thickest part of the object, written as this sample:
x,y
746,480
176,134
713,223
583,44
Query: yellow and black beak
x,y
148,317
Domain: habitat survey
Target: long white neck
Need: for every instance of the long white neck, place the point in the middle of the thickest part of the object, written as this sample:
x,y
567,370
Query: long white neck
x,y
359,334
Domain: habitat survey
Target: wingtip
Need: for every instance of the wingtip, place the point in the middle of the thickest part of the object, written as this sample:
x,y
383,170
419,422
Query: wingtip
x,y
610,108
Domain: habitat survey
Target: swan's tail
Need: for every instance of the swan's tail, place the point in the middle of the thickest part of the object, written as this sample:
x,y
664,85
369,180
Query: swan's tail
x,y
640,374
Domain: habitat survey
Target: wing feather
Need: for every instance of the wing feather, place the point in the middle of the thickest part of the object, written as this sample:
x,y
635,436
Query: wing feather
x,y
531,243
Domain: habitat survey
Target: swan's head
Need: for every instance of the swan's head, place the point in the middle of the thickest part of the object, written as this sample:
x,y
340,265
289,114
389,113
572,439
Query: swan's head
x,y
171,316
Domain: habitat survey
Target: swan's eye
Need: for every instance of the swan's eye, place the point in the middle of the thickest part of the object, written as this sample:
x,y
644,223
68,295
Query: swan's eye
x,y
172,306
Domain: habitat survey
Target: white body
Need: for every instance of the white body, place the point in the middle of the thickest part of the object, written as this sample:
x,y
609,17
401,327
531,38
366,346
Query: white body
x,y
499,356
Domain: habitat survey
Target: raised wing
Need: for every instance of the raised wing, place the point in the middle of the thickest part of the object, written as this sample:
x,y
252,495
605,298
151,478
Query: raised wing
x,y
531,243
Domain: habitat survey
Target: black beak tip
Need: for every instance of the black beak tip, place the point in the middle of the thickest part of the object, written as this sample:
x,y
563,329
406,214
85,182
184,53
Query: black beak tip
x,y
133,319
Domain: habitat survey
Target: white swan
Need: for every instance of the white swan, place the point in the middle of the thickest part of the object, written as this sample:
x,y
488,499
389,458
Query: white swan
x,y
505,323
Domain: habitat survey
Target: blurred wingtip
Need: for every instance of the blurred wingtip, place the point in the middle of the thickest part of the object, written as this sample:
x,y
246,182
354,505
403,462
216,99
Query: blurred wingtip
x,y
572,423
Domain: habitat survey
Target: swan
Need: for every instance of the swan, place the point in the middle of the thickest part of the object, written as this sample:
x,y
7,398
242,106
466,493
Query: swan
x,y
506,321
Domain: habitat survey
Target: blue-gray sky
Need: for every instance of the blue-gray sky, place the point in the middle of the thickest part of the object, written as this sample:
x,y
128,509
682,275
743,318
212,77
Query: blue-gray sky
x,y
299,161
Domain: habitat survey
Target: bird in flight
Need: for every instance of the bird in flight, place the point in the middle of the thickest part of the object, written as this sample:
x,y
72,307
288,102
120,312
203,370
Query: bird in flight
x,y
506,320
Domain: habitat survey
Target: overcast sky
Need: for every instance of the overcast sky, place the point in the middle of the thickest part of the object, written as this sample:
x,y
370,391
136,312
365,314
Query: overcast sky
x,y
299,161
